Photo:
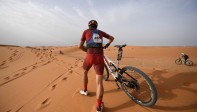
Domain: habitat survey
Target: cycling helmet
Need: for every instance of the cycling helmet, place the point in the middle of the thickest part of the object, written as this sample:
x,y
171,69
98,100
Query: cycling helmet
x,y
92,24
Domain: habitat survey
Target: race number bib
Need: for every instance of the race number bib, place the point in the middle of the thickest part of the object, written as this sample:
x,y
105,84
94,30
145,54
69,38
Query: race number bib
x,y
96,38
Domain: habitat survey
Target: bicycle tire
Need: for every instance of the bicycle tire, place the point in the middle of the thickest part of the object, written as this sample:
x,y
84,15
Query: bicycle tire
x,y
138,89
189,63
105,73
178,61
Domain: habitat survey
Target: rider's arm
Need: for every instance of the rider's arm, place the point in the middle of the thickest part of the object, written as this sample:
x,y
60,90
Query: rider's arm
x,y
82,41
80,46
111,39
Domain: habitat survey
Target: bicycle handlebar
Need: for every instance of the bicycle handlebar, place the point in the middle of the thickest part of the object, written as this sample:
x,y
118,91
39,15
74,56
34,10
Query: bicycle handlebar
x,y
120,46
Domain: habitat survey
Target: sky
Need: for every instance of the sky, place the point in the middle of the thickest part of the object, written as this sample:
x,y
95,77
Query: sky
x,y
132,22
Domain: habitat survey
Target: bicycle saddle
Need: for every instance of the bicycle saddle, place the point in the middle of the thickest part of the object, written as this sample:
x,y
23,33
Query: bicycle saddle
x,y
120,46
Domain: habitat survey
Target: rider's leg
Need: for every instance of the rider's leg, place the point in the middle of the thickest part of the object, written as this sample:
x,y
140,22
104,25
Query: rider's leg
x,y
183,60
99,68
186,60
86,67
85,80
100,90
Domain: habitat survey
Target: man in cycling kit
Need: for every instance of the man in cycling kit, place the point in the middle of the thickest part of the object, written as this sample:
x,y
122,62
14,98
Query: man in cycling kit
x,y
184,57
94,48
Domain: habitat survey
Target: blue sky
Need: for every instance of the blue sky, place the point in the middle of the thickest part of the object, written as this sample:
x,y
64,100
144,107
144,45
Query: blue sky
x,y
134,22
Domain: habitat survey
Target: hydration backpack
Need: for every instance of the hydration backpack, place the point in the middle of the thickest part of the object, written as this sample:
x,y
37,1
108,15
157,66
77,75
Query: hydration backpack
x,y
96,41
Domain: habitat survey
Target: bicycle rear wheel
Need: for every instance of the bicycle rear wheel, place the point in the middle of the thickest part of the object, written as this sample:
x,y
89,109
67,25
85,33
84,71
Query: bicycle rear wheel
x,y
105,73
189,63
178,61
138,86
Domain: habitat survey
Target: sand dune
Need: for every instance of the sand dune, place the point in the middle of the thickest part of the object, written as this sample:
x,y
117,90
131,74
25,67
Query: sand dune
x,y
43,79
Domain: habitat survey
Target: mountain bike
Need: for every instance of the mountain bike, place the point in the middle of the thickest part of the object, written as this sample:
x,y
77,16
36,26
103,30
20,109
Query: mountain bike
x,y
180,61
135,83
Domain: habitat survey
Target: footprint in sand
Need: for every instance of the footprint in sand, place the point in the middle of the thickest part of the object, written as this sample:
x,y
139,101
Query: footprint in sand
x,y
41,57
14,54
25,68
7,78
64,78
34,67
70,68
2,64
38,55
23,73
76,62
10,58
3,67
44,104
71,71
53,87
46,63
16,75
8,110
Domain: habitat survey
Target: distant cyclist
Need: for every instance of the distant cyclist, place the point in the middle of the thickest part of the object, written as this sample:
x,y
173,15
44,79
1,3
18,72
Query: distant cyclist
x,y
94,48
184,57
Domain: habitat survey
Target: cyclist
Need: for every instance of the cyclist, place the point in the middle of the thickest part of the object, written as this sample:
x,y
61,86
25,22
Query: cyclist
x,y
184,57
94,40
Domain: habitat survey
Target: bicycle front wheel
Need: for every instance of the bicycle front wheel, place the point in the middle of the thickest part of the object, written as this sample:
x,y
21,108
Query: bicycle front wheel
x,y
138,86
189,63
178,61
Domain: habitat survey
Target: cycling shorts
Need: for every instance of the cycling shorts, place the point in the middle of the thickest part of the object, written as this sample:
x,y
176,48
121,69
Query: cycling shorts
x,y
96,60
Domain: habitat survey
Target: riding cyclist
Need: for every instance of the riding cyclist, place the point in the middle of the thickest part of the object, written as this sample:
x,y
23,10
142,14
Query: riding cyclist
x,y
184,57
94,48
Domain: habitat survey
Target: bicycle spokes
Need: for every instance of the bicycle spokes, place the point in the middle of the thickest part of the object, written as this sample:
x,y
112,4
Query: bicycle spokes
x,y
138,87
132,85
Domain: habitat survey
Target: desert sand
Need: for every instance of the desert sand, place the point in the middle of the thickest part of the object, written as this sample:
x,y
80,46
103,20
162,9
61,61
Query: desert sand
x,y
48,79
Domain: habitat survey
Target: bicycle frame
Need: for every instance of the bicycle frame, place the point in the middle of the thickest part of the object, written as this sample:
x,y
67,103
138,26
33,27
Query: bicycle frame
x,y
112,67
109,63
182,59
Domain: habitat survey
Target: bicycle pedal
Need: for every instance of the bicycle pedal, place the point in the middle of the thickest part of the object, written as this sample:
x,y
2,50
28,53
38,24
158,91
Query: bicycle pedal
x,y
117,85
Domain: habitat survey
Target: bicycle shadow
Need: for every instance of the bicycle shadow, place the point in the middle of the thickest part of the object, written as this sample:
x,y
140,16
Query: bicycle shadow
x,y
165,87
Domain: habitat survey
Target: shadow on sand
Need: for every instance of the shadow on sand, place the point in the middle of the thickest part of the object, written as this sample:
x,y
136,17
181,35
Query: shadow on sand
x,y
165,87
